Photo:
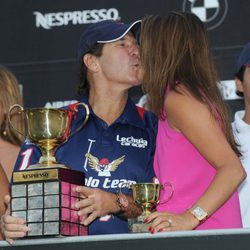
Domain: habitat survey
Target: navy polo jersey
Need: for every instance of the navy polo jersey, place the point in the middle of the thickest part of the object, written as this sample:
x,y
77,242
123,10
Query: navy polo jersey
x,y
112,157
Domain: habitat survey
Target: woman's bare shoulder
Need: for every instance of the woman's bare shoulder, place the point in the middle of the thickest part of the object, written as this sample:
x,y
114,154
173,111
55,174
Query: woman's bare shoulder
x,y
180,99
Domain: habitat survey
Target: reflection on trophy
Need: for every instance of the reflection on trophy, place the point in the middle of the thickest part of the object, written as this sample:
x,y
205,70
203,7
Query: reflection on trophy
x,y
147,196
43,193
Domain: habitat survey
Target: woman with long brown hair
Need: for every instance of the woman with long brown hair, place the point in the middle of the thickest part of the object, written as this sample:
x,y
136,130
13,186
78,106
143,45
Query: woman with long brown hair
x,y
10,140
195,149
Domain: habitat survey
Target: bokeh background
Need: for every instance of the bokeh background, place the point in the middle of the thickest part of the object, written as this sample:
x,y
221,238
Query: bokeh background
x,y
39,40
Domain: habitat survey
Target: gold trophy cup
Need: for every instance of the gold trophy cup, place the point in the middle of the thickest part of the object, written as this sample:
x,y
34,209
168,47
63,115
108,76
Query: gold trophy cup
x,y
146,195
43,194
48,128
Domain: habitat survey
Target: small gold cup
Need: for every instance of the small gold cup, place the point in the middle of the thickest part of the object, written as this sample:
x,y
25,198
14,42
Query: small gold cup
x,y
147,196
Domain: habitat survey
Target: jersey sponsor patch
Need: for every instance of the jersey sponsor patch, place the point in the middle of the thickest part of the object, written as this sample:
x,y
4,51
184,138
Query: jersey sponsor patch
x,y
132,142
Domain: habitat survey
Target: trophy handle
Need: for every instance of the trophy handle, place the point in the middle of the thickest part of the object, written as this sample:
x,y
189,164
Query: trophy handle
x,y
164,186
86,117
21,110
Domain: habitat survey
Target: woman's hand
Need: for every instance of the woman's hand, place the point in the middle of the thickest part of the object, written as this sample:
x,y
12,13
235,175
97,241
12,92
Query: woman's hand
x,y
164,221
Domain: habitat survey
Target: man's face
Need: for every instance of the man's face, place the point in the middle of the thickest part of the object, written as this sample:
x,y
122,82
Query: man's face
x,y
120,61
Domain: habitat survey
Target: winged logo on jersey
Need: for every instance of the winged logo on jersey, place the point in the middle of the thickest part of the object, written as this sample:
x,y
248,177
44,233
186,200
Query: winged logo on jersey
x,y
103,166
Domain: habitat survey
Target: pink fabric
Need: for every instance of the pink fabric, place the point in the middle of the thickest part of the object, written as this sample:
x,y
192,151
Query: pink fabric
x,y
179,162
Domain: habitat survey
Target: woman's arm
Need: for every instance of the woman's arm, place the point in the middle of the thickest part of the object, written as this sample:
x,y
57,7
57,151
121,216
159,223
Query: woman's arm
x,y
4,190
196,122
193,118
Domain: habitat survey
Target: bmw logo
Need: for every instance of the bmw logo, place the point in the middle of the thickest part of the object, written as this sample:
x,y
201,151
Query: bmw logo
x,y
211,12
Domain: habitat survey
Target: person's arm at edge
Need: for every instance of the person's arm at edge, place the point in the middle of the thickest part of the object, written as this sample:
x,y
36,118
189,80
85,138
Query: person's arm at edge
x,y
229,171
4,190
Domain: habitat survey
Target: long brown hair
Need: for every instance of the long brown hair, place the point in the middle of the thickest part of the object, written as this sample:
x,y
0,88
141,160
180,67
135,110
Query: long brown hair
x,y
175,48
9,95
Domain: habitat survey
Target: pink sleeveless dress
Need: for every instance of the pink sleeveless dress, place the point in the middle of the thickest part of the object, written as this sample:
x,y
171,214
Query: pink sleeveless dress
x,y
177,161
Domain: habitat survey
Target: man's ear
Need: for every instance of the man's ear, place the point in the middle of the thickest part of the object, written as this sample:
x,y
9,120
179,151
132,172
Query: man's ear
x,y
239,85
90,62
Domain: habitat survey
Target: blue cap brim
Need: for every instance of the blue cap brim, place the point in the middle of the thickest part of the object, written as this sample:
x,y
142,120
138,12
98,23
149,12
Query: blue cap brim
x,y
122,31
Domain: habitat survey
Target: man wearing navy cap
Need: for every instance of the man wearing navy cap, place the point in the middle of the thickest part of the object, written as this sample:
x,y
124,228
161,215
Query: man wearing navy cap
x,y
116,146
241,128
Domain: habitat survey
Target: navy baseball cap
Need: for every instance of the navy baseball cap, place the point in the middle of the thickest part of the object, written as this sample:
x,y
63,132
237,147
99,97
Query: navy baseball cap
x,y
244,57
105,32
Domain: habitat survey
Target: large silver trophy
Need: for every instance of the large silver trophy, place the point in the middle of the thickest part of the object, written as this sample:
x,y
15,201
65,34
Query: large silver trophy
x,y
146,195
43,194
